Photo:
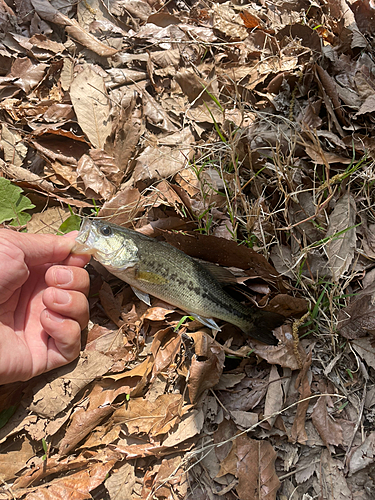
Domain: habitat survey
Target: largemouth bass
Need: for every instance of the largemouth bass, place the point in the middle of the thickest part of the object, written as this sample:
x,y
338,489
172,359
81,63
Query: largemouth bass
x,y
159,269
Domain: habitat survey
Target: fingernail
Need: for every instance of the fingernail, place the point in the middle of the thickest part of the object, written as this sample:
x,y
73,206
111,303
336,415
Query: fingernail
x,y
63,276
61,297
54,317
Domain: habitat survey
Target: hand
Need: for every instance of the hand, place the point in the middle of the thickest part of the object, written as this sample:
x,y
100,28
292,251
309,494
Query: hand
x,y
43,304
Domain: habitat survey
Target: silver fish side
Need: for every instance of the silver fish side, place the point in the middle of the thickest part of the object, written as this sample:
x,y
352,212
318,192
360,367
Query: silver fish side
x,y
161,270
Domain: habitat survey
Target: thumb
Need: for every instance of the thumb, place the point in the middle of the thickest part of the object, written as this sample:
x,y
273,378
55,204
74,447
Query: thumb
x,y
40,249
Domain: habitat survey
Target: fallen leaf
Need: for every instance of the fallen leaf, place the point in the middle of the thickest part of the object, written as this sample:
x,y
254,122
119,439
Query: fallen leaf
x,y
274,397
256,472
91,105
357,319
14,457
329,430
206,367
342,236
331,472
141,416
58,388
121,482
47,222
298,433
76,486
364,455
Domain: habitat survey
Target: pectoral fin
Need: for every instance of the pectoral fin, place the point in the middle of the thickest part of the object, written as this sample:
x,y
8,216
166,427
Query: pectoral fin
x,y
142,296
206,321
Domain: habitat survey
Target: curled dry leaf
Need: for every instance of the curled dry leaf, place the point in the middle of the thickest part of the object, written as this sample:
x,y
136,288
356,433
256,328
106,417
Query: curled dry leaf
x,y
274,397
283,354
75,486
298,433
206,366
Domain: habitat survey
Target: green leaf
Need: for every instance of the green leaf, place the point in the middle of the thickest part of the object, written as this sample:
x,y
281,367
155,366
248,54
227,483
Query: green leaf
x,y
13,204
72,223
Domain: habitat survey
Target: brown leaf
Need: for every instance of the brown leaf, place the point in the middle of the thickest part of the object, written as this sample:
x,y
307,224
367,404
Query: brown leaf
x,y
14,457
249,20
256,469
121,482
160,162
340,249
274,397
123,208
206,367
91,105
127,128
364,455
364,13
141,416
283,354
165,347
84,420
331,474
328,429
287,305
358,318
228,22
76,486
330,89
96,184
169,480
47,222
298,433
111,304
65,383
27,73
191,425
366,349
49,13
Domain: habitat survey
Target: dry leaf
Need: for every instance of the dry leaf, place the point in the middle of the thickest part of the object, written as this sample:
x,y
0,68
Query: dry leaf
x,y
91,105
358,318
65,383
342,234
256,469
329,430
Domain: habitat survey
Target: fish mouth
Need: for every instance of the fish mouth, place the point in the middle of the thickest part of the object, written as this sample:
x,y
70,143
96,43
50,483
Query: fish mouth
x,y
83,243
86,242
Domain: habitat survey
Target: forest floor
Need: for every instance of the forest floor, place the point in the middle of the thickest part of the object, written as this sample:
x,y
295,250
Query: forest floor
x,y
243,134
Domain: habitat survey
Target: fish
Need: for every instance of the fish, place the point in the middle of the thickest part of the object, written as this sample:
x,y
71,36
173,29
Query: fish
x,y
156,268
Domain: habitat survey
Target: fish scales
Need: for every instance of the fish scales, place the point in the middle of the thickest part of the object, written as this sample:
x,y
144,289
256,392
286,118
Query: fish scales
x,y
159,269
195,284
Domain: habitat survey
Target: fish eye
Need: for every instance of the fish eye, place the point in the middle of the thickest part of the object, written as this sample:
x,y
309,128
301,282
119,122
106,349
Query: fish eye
x,y
106,231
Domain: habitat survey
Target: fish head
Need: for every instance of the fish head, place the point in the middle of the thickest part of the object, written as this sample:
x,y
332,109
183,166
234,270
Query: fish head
x,y
107,243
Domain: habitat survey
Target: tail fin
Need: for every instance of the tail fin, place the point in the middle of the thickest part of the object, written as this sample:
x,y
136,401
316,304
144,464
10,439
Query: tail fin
x,y
262,324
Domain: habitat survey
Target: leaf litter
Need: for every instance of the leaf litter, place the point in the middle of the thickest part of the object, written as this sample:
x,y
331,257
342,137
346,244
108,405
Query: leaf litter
x,y
242,135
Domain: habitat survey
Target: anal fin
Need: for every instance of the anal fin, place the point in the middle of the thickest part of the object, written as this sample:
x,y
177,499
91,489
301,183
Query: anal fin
x,y
144,297
206,321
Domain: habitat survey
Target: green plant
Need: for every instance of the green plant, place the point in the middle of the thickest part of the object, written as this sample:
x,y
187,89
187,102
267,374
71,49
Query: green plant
x,y
13,204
